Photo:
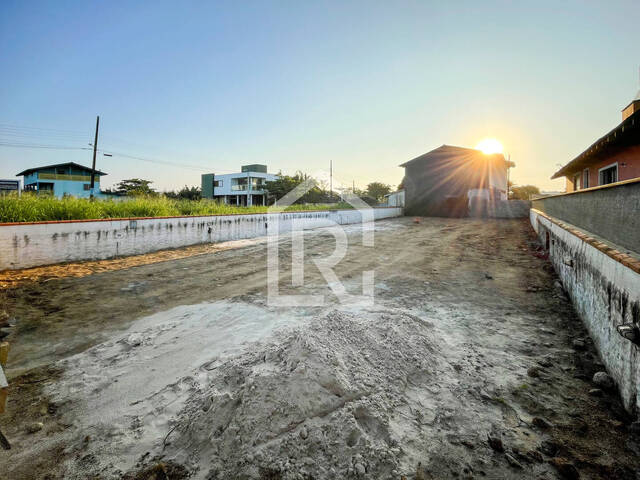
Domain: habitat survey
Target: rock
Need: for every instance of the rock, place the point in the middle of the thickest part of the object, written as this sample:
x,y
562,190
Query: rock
x,y
548,448
578,344
533,372
4,332
603,380
304,433
513,462
488,277
467,444
595,392
565,468
35,427
495,442
635,427
545,362
542,423
360,470
535,455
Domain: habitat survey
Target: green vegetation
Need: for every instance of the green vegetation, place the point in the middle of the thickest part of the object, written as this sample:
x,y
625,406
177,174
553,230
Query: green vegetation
x,y
317,193
522,192
39,208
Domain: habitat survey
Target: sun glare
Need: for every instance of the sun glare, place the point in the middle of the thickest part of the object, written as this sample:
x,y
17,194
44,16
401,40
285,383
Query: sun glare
x,y
489,145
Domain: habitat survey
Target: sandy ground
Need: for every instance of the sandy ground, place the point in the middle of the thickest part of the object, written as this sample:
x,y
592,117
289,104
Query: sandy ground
x,y
175,366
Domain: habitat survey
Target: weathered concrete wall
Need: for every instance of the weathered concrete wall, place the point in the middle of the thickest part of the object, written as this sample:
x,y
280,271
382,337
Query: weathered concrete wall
x,y
604,286
611,211
481,208
33,244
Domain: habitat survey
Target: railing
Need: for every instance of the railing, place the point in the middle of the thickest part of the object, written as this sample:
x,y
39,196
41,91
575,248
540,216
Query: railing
x,y
58,176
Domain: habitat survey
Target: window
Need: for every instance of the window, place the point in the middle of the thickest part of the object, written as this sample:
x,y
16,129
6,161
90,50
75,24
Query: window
x,y
576,181
87,186
239,184
608,174
585,178
217,183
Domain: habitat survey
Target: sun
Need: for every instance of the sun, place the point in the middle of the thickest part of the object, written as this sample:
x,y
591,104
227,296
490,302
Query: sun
x,y
489,145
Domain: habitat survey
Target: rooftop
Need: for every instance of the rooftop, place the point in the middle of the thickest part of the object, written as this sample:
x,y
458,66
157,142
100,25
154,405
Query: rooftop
x,y
452,150
624,135
57,165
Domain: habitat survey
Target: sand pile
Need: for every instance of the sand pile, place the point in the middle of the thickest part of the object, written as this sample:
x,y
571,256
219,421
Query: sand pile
x,y
319,402
322,398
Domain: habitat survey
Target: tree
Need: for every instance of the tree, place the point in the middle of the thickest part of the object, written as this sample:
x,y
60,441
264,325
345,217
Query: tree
x,y
523,192
134,187
277,189
378,190
186,193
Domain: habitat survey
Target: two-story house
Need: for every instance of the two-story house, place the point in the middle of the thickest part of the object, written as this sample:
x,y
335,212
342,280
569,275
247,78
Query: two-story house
x,y
61,179
614,157
243,189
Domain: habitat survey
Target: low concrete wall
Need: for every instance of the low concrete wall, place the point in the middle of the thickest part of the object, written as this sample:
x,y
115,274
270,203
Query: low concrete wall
x,y
610,211
604,286
481,208
33,244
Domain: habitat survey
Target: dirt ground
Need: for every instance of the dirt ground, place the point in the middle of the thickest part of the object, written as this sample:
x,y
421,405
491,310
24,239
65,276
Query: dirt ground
x,y
173,365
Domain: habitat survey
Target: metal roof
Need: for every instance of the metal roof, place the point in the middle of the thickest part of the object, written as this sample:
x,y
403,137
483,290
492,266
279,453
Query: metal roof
x,y
68,164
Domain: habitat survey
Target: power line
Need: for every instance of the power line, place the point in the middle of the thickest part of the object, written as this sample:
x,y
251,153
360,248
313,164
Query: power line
x,y
53,147
164,162
18,137
51,130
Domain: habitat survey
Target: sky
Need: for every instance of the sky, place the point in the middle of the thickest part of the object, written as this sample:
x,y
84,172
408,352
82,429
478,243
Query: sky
x,y
185,88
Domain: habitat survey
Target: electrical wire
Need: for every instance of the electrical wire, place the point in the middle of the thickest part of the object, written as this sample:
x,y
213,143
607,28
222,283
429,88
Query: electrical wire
x,y
18,137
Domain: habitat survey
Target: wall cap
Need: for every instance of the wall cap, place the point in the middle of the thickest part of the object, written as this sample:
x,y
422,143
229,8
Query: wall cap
x,y
620,257
186,217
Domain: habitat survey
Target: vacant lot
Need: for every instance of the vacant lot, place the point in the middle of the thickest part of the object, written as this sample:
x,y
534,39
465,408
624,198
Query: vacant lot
x,y
180,368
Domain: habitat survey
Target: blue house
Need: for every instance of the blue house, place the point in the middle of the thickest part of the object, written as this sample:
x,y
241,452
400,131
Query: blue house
x,y
62,179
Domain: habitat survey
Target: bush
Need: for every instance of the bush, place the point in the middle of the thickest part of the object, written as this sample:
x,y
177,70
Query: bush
x,y
31,207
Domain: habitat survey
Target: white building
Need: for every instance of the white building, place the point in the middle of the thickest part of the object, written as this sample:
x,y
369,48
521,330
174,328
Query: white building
x,y
394,199
245,188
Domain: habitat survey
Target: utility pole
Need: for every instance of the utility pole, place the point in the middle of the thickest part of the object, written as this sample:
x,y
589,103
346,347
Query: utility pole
x,y
95,149
353,188
331,178
508,169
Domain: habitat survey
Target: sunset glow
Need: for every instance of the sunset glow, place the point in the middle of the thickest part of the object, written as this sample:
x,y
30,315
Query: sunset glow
x,y
490,145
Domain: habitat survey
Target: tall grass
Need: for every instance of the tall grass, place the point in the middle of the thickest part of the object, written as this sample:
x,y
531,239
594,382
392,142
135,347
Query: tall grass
x,y
40,208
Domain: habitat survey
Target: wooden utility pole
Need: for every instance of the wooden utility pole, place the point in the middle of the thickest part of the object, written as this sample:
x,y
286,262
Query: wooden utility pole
x,y
508,168
95,149
331,178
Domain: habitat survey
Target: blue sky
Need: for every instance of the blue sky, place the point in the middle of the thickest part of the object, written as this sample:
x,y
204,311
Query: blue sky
x,y
369,85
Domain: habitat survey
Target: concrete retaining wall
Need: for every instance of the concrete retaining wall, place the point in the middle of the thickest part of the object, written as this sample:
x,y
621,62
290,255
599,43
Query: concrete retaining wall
x,y
610,211
33,244
481,208
604,286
